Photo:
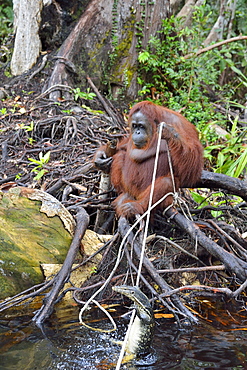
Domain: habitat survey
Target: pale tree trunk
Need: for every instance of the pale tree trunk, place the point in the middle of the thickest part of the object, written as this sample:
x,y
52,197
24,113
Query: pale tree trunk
x,y
27,47
226,16
175,6
232,9
216,32
187,11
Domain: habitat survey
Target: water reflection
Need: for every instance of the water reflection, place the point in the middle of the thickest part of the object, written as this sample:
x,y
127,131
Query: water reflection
x,y
64,344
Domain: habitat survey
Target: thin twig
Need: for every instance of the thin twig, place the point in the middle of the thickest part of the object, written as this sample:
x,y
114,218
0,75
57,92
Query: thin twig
x,y
193,269
205,288
217,45
240,289
175,245
24,295
52,88
102,100
228,292
243,250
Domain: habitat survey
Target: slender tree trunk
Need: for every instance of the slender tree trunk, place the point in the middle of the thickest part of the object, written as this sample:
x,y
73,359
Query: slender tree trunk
x,y
27,42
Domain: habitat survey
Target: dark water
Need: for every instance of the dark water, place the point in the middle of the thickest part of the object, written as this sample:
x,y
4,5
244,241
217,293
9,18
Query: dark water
x,y
64,344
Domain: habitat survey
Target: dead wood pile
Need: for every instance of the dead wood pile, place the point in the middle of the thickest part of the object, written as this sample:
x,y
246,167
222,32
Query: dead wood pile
x,y
191,250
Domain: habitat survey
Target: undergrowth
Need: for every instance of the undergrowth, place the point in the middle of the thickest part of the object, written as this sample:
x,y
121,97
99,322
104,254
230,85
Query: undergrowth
x,y
6,24
195,85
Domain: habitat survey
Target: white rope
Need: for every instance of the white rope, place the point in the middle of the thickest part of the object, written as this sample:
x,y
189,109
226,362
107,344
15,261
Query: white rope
x,y
124,344
150,203
107,314
147,213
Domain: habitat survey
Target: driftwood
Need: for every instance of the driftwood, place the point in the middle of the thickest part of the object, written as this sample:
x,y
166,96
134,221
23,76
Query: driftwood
x,y
226,291
62,277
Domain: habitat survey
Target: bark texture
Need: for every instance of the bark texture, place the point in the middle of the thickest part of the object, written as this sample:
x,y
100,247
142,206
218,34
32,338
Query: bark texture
x,y
27,45
106,41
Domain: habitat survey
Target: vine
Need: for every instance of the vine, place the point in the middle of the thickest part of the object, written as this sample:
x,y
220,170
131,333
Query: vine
x,y
114,35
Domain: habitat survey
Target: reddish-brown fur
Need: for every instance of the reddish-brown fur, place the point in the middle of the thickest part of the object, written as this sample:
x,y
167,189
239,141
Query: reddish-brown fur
x,y
132,169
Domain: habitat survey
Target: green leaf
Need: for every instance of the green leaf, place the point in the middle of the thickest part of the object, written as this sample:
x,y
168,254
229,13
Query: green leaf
x,y
238,166
40,174
33,160
236,70
216,213
143,56
220,159
199,199
46,157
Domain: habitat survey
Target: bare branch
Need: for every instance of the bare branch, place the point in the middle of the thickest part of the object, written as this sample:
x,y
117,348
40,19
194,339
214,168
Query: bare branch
x,y
63,275
217,45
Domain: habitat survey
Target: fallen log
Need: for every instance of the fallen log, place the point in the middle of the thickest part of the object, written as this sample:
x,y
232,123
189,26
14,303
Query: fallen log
x,y
228,183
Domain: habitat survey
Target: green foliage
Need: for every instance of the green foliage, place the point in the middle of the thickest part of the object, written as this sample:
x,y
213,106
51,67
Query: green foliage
x,y
184,82
230,157
3,111
240,23
41,162
27,128
18,176
31,141
6,19
83,95
67,111
94,111
205,197
178,81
